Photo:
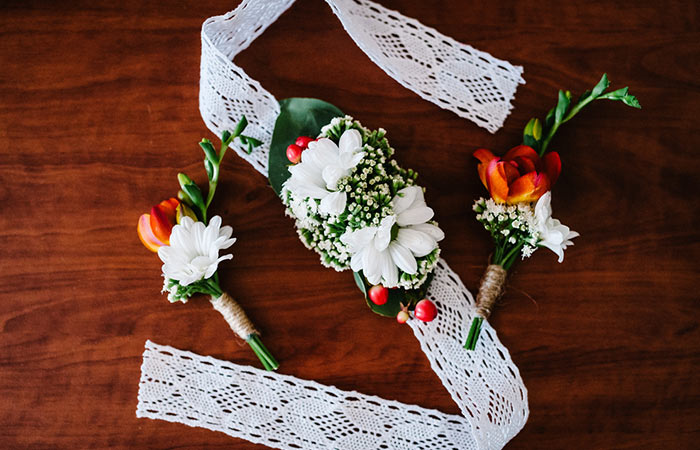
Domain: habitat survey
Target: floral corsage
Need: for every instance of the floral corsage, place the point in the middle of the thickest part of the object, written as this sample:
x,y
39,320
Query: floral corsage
x,y
355,206
189,242
518,214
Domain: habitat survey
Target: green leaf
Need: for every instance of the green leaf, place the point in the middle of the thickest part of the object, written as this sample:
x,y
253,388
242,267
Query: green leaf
x,y
209,151
360,281
631,100
298,117
616,95
562,107
240,126
549,119
624,96
601,86
254,142
225,136
250,143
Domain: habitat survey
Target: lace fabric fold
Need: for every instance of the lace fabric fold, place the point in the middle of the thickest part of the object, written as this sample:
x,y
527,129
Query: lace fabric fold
x,y
290,413
454,76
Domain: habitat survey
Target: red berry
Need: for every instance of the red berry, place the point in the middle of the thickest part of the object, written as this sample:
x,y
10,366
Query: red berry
x,y
425,310
402,317
378,294
303,141
294,153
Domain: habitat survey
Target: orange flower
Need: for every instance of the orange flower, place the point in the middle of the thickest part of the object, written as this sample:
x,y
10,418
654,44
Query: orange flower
x,y
154,229
520,176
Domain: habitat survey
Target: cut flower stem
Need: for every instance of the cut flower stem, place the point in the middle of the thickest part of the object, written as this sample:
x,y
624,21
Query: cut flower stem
x,y
268,361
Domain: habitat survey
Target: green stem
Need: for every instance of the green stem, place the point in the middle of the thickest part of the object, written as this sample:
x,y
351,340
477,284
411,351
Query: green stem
x,y
511,256
555,127
213,286
214,181
212,187
268,361
474,332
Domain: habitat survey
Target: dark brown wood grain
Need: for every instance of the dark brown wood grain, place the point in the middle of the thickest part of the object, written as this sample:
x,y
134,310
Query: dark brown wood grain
x,y
98,113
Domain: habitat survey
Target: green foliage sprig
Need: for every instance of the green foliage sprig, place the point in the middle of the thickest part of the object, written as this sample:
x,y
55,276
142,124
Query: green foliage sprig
x,y
190,192
538,136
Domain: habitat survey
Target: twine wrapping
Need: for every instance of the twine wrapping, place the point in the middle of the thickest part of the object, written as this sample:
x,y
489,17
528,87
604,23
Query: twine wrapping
x,y
234,315
490,290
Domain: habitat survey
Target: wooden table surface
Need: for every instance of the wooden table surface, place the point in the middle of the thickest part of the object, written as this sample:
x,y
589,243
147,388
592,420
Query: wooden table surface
x,y
99,111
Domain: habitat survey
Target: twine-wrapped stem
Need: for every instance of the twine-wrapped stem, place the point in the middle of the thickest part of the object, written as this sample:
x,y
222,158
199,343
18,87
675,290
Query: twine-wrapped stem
x,y
490,290
243,327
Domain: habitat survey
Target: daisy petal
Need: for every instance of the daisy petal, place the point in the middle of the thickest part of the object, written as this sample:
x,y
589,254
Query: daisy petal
x,y
390,273
403,258
333,203
383,236
356,261
358,239
415,216
429,229
371,265
403,199
418,242
350,141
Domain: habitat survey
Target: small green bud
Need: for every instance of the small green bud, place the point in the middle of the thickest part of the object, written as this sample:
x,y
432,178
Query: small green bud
x,y
209,150
533,129
184,180
184,198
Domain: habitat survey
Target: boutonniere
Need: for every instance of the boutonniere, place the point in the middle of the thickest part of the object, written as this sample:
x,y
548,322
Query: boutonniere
x,y
188,241
518,213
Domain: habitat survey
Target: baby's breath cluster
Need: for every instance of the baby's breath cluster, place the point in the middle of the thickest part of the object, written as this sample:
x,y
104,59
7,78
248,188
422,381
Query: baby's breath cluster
x,y
369,187
512,227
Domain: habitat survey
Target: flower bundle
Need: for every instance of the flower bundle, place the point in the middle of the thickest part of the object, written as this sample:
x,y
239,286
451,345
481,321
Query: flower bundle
x,y
518,214
358,209
188,243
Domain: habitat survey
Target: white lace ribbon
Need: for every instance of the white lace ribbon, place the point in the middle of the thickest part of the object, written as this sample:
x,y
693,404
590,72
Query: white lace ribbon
x,y
289,413
454,76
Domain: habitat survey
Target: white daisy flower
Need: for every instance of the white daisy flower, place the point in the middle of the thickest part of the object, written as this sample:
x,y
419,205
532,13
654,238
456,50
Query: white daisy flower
x,y
193,253
322,165
379,256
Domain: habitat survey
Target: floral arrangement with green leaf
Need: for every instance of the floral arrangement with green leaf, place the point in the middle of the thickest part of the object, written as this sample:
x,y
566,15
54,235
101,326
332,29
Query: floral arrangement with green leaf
x,y
355,206
188,243
518,214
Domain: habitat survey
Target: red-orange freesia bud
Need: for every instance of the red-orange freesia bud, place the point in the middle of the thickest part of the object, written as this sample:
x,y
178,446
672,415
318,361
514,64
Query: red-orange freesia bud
x,y
154,229
520,176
